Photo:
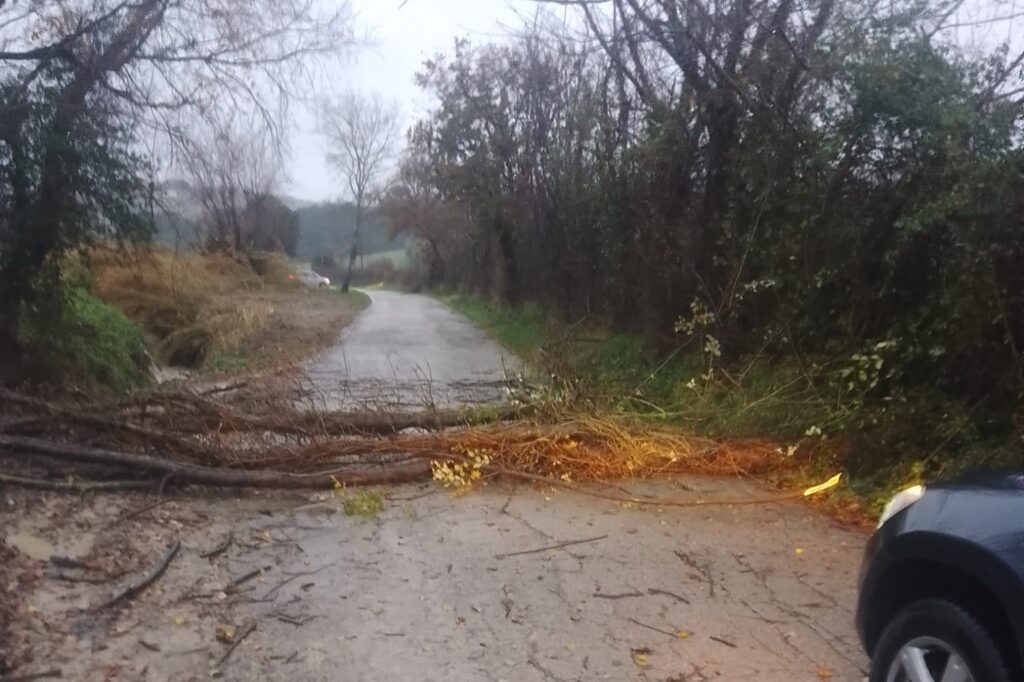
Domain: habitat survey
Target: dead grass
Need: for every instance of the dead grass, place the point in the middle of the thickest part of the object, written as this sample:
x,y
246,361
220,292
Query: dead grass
x,y
191,305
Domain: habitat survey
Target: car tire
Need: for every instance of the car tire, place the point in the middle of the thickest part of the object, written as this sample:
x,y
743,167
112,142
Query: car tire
x,y
935,625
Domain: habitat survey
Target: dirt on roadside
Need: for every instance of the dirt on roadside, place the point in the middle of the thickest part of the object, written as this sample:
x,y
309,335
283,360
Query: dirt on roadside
x,y
300,325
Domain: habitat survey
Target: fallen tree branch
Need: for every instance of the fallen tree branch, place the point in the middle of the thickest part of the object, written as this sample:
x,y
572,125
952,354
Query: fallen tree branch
x,y
146,580
228,478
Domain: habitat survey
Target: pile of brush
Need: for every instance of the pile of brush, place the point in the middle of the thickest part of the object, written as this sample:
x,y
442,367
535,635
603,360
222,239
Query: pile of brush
x,y
237,437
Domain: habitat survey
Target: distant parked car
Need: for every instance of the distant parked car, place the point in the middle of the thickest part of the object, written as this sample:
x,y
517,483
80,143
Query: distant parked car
x,y
942,583
312,280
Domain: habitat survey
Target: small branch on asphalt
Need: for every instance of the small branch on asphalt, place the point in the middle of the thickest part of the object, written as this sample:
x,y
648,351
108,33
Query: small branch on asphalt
x,y
723,640
233,586
655,590
292,576
221,547
146,580
246,631
623,595
673,635
544,549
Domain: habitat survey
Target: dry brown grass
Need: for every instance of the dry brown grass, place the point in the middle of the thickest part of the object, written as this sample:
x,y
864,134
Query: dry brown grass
x,y
190,303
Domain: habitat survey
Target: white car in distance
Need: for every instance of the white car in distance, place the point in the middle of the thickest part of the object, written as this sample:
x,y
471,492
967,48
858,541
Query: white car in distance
x,y
311,280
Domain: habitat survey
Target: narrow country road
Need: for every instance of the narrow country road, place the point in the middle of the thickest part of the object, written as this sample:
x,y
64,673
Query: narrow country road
x,y
408,351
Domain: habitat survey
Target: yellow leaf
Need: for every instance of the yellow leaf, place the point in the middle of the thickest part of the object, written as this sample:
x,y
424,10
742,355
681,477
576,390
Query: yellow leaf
x,y
825,673
640,657
682,634
821,487
799,551
179,620
226,633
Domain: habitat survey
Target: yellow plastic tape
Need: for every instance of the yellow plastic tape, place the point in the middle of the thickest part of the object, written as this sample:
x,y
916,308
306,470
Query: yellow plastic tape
x,y
821,487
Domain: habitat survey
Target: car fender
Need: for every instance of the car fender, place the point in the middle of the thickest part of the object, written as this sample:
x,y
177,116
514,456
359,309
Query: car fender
x,y
990,568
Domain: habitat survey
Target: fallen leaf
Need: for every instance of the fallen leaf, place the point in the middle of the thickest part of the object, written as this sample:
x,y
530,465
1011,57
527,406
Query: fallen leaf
x,y
825,673
799,551
226,633
682,634
640,657
178,620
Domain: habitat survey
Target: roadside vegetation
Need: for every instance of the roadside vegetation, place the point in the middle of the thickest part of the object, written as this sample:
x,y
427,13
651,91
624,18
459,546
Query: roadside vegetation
x,y
802,222
817,419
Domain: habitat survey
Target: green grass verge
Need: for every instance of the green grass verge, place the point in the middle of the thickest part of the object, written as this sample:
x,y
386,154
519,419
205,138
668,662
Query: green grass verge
x,y
358,299
92,344
522,330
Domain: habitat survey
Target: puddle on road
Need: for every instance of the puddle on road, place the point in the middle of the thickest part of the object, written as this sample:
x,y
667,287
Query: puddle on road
x,y
39,548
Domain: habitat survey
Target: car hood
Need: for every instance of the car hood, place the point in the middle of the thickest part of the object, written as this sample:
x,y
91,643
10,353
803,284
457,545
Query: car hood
x,y
1000,479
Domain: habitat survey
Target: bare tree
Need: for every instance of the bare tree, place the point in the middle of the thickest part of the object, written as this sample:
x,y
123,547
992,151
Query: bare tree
x,y
361,131
235,169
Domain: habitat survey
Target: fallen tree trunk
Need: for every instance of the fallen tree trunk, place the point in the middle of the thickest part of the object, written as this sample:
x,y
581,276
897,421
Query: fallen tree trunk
x,y
77,486
228,478
185,413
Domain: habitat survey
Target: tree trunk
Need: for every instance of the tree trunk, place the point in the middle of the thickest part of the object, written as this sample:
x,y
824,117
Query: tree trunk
x,y
354,252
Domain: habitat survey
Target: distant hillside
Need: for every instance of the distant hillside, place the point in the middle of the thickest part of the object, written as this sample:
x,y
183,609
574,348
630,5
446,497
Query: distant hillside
x,y
325,229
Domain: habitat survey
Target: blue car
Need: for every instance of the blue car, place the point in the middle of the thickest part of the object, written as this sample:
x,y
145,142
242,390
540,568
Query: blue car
x,y
942,583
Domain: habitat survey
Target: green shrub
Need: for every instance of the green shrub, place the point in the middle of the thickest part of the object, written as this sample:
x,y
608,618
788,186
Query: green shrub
x,y
92,343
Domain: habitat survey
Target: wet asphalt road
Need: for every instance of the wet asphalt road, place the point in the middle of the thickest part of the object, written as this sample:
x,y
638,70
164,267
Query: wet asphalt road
x,y
446,588
409,351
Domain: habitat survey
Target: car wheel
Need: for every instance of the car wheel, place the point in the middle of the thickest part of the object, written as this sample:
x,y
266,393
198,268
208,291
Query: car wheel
x,y
936,641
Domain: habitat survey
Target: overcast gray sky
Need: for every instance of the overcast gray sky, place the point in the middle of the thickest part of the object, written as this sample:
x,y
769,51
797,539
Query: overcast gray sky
x,y
402,39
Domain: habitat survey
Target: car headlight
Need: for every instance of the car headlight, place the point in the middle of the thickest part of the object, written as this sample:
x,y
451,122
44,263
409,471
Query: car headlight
x,y
901,501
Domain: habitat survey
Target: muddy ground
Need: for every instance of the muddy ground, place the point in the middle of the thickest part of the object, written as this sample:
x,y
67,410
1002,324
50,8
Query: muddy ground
x,y
433,587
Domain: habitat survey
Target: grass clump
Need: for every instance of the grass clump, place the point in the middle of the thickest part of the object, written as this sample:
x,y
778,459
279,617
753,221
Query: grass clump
x,y
365,502
93,344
